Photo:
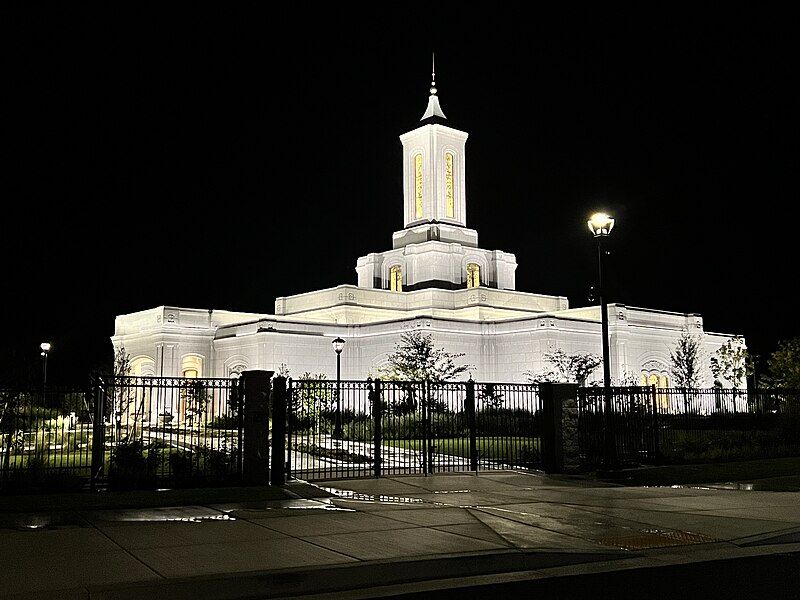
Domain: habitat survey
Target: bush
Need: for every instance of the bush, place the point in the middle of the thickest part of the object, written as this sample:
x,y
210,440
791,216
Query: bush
x,y
134,466
205,466
718,446
223,422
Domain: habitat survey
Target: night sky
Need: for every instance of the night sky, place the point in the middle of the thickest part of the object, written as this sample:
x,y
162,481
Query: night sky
x,y
218,160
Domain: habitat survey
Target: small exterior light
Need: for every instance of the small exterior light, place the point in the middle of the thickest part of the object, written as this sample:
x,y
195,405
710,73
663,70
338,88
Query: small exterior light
x,y
338,345
45,346
600,224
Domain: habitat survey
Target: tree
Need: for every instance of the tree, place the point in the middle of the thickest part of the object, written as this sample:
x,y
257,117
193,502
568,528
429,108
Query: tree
x,y
685,361
731,362
566,368
122,393
416,358
784,365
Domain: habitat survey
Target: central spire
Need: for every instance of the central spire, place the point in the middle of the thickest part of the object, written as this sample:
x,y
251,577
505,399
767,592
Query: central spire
x,y
433,110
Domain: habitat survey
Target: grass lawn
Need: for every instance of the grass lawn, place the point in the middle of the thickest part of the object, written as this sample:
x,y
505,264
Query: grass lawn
x,y
488,447
750,470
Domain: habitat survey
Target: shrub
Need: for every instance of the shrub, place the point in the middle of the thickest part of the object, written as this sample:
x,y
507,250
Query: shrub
x,y
223,422
134,466
204,466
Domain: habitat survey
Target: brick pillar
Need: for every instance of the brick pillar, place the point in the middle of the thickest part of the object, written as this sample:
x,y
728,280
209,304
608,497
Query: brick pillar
x,y
560,451
255,451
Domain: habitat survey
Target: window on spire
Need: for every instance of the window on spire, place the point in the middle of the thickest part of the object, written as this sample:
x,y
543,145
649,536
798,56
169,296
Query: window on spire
x,y
418,186
473,275
448,184
396,278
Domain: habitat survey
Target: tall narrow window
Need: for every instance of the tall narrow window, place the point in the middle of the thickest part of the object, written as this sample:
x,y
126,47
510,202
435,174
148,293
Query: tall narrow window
x,y
418,185
473,275
396,278
448,184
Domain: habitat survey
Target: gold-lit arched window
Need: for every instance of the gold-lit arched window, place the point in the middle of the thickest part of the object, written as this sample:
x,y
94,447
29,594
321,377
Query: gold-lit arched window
x,y
473,275
396,278
448,184
661,382
418,186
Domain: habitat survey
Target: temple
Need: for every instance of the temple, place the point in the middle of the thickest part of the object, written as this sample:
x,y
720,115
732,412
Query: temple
x,y
435,278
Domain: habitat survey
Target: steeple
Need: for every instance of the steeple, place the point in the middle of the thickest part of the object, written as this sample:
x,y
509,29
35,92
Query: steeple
x,y
433,110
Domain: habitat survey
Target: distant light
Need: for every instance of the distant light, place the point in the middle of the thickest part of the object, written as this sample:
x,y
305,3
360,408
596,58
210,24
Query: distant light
x,y
600,224
338,345
45,346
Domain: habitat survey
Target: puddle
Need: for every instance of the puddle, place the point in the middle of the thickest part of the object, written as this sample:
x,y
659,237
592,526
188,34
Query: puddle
x,y
41,521
168,518
732,485
359,497
453,492
786,483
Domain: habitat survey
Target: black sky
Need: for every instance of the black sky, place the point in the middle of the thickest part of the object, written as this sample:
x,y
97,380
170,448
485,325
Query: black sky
x,y
221,159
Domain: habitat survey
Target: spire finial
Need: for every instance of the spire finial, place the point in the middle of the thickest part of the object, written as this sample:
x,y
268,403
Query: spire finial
x,y
433,73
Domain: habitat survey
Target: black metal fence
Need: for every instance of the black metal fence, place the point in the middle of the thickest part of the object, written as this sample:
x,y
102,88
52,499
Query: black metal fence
x,y
45,437
361,428
170,430
124,431
649,425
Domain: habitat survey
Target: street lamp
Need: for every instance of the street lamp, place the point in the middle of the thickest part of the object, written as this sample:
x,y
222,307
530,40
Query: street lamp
x,y
600,224
338,346
45,348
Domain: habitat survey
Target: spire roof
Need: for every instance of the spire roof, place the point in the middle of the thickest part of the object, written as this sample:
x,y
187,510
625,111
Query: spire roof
x,y
433,109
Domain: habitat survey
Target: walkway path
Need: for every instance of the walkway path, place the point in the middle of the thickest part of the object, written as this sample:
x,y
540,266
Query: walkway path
x,y
414,532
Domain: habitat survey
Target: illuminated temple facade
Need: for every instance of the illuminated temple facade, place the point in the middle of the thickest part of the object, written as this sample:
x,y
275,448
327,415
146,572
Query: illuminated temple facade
x,y
435,278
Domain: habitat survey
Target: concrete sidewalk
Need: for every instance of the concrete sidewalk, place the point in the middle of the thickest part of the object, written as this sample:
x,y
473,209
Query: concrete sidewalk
x,y
412,532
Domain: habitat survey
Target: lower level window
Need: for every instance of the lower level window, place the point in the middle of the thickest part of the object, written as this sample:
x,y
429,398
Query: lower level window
x,y
396,278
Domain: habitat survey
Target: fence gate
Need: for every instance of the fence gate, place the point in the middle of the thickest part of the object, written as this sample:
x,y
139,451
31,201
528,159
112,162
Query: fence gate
x,y
632,425
368,428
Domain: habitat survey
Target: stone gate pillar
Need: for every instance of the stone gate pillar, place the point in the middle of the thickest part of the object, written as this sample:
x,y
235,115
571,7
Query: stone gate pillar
x,y
255,451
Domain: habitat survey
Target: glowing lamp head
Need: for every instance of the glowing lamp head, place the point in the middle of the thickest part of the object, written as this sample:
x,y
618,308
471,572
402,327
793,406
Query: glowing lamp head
x,y
45,346
338,345
600,224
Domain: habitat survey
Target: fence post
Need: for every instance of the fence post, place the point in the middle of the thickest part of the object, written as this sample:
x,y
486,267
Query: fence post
x,y
469,407
278,467
377,410
656,440
290,413
255,460
424,406
238,401
97,387
559,449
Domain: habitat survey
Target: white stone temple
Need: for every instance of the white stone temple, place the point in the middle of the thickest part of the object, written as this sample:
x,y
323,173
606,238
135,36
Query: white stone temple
x,y
435,278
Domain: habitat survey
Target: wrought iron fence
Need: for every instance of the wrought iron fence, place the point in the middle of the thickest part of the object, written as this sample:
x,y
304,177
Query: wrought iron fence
x,y
649,425
126,431
45,437
359,428
178,431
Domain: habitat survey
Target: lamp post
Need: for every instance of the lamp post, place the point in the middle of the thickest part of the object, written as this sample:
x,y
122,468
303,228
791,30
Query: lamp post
x,y
600,224
45,348
338,346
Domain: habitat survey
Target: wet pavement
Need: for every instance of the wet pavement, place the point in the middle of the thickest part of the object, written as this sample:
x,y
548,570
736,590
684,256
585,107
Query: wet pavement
x,y
461,522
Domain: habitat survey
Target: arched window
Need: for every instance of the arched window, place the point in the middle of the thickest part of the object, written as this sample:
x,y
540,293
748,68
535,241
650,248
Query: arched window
x,y
448,184
418,186
660,381
191,366
235,371
473,275
396,278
